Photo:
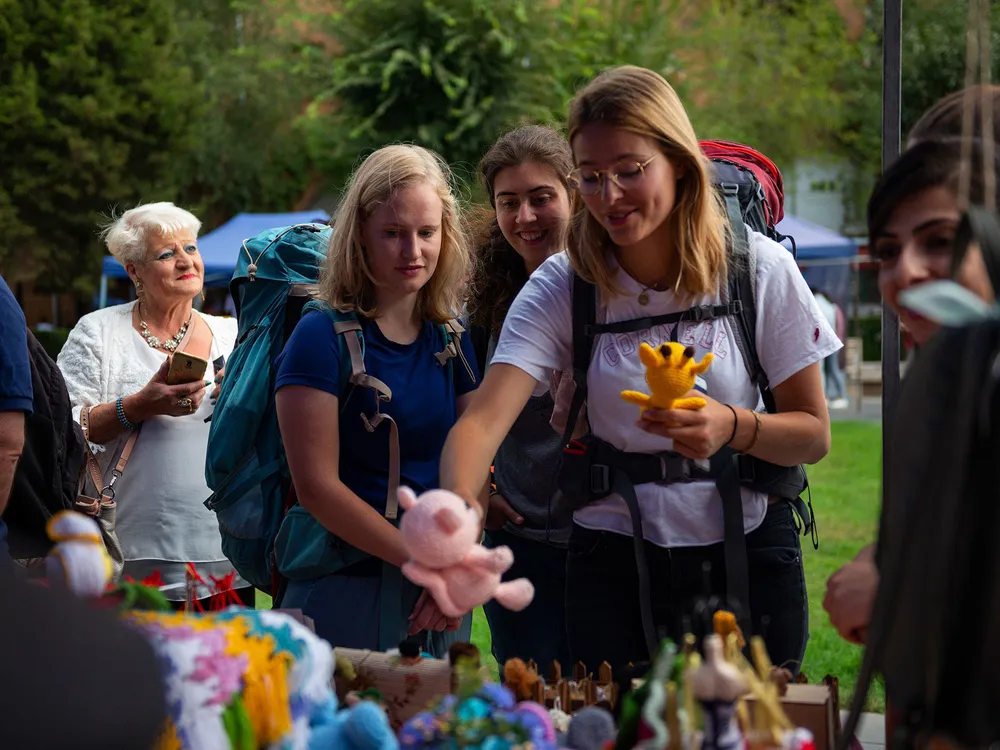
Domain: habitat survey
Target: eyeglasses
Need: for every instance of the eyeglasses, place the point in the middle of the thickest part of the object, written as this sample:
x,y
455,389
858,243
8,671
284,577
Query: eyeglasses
x,y
625,174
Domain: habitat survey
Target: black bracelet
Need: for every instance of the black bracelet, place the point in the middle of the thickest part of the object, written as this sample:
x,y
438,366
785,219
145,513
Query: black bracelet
x,y
736,424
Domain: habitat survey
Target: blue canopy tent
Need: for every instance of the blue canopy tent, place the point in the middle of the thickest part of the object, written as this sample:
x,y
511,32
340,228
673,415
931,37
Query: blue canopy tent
x,y
220,248
816,243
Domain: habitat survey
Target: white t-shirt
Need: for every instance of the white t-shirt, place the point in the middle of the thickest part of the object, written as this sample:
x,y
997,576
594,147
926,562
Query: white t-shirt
x,y
828,309
162,521
792,334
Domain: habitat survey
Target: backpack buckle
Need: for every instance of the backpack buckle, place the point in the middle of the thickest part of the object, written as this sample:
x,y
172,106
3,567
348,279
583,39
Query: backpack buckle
x,y
674,468
371,424
745,468
702,312
600,479
448,353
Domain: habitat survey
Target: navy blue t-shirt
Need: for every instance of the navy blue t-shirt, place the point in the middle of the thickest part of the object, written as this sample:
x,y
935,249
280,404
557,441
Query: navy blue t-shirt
x,y
423,400
15,373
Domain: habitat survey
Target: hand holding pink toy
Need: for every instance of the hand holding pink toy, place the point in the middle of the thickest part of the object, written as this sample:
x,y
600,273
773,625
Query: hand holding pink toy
x,y
441,534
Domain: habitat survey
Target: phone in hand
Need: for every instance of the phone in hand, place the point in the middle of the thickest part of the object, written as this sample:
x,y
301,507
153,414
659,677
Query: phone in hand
x,y
186,368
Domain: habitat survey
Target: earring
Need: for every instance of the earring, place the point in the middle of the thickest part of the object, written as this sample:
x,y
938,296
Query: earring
x,y
203,294
140,291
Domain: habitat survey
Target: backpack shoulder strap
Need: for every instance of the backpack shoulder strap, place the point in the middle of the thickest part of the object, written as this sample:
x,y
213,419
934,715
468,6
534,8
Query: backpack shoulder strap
x,y
348,329
347,323
584,316
742,288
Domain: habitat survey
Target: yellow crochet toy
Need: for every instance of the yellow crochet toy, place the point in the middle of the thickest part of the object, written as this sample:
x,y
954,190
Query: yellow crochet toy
x,y
670,373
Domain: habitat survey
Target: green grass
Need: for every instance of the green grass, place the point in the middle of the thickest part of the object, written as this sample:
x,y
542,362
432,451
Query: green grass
x,y
845,494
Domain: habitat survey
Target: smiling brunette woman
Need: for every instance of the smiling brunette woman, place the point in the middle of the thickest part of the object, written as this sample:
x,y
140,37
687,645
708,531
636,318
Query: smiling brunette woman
x,y
525,176
115,363
653,239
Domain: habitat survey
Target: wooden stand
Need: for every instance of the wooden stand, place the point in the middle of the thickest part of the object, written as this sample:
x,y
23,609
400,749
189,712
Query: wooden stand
x,y
570,695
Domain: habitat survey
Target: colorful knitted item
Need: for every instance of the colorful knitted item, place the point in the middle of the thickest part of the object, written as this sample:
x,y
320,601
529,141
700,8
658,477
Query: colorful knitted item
x,y
481,715
238,678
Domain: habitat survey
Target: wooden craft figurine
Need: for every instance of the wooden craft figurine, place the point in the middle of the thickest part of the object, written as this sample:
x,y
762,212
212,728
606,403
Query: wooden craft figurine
x,y
670,374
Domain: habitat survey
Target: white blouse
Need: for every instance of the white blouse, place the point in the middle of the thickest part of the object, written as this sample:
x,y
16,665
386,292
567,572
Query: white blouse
x,y
162,522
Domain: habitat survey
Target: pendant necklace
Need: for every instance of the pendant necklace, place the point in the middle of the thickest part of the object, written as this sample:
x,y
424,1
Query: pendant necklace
x,y
644,294
154,342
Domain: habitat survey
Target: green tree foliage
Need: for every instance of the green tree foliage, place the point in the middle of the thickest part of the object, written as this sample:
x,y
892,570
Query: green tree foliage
x,y
448,74
452,74
247,155
933,65
766,75
94,108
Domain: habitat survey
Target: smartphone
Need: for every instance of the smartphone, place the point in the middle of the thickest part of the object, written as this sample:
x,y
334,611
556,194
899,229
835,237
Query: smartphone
x,y
186,368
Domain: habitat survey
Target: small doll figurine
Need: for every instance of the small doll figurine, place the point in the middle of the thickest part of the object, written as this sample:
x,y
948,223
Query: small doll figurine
x,y
441,536
671,372
79,560
468,651
717,685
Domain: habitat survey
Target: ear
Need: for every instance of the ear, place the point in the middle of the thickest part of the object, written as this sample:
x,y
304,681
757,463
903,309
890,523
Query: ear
x,y
647,355
448,521
132,273
407,497
702,366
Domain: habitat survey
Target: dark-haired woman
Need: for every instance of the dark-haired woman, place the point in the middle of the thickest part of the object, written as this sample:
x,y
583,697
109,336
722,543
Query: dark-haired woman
x,y
524,175
913,214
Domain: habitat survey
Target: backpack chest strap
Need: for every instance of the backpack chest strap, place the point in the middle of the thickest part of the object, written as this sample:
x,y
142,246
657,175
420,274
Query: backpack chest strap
x,y
452,332
641,468
693,314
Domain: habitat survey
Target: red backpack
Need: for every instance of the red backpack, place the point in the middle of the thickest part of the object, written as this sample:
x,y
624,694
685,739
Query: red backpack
x,y
751,186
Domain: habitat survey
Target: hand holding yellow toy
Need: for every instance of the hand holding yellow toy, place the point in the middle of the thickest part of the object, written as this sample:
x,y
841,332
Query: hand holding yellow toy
x,y
670,373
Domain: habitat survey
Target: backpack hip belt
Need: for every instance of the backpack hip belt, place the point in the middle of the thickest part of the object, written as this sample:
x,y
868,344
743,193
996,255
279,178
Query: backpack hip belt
x,y
593,469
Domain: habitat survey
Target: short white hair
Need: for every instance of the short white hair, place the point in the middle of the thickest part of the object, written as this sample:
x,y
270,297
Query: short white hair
x,y
128,235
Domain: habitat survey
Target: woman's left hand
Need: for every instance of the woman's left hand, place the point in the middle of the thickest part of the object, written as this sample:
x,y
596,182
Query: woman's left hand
x,y
218,385
697,434
428,616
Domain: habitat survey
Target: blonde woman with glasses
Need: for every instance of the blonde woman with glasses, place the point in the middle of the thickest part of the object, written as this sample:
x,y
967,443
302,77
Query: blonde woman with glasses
x,y
651,235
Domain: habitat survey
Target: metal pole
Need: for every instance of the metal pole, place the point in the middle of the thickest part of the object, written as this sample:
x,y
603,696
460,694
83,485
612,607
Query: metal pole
x,y
892,53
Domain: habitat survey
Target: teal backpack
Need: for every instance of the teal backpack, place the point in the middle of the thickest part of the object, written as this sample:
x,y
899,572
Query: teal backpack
x,y
273,286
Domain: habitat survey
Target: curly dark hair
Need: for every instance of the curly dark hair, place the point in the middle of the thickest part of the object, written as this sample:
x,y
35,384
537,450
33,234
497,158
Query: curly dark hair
x,y
499,272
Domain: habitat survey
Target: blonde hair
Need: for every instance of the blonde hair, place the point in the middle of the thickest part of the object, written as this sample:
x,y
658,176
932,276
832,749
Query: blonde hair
x,y
127,237
641,101
346,281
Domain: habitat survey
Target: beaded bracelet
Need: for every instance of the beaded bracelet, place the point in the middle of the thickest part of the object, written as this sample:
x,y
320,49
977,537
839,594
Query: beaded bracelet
x,y
120,411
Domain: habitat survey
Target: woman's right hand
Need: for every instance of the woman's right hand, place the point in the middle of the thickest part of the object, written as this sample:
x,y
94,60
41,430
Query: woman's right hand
x,y
157,398
850,596
428,616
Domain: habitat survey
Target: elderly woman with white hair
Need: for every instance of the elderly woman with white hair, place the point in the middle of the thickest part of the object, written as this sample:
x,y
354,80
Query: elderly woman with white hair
x,y
115,363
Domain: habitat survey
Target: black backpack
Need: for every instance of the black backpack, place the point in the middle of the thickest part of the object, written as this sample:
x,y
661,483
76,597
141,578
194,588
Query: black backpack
x,y
592,469
935,628
47,477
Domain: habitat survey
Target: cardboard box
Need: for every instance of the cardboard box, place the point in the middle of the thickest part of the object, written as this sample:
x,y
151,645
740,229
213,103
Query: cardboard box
x,y
812,707
406,688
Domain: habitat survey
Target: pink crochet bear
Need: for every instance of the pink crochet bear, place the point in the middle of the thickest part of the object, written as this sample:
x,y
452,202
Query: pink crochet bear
x,y
441,534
